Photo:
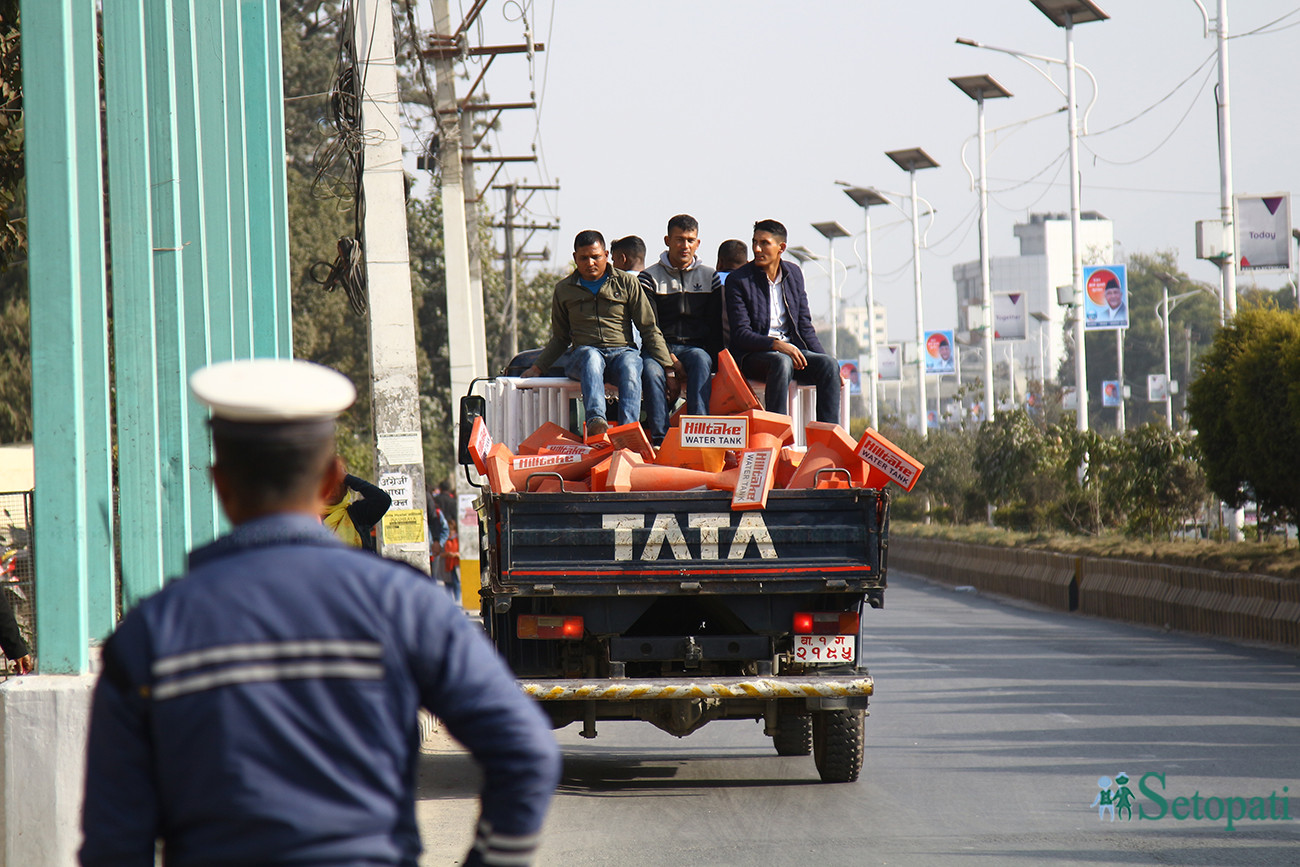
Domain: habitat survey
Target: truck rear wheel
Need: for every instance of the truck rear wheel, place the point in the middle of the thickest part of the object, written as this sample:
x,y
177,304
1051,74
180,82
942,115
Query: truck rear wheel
x,y
793,735
837,744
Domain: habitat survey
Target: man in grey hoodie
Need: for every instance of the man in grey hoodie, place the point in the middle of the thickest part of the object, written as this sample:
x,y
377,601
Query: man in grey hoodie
x,y
687,296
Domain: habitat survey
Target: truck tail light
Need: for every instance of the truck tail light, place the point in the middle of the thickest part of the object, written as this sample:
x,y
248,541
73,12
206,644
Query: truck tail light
x,y
537,626
826,623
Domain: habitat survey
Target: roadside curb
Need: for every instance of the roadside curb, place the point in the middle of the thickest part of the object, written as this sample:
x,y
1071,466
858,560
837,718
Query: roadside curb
x,y
1230,605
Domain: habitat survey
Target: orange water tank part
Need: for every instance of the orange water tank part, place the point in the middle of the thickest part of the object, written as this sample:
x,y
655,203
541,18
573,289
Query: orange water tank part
x,y
671,454
631,436
730,394
548,433
769,430
627,472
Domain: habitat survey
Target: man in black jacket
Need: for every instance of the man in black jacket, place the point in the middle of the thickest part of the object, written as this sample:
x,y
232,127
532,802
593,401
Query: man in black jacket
x,y
771,332
687,295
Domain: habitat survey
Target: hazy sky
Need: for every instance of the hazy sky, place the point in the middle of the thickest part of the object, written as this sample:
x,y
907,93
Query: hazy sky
x,y
737,111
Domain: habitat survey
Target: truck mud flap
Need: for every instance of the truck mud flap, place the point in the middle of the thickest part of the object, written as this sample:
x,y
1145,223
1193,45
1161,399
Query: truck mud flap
x,y
683,688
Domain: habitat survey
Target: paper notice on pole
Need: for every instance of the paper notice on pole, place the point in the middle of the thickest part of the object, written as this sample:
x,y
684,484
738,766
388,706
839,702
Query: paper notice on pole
x,y
404,527
396,449
467,519
397,486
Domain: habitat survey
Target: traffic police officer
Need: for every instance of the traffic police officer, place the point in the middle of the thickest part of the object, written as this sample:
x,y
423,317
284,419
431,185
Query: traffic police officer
x,y
264,708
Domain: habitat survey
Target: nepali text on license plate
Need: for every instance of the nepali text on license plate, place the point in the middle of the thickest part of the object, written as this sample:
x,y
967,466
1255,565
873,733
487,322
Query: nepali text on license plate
x,y
824,648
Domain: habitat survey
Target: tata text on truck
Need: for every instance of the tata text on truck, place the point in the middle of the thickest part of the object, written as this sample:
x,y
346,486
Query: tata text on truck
x,y
678,607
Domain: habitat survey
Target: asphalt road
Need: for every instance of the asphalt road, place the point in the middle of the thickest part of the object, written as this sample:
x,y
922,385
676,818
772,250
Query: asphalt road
x,y
990,728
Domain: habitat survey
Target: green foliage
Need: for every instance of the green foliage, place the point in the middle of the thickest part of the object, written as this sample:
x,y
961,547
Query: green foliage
x,y
1151,477
950,478
1246,408
13,223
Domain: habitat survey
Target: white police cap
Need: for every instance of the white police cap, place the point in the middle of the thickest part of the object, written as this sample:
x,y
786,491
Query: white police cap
x,y
272,391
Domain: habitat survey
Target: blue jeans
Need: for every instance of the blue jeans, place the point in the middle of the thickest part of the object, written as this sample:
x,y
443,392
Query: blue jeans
x,y
593,366
776,370
699,367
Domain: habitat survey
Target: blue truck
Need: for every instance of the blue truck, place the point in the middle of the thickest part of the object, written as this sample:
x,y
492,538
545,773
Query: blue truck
x,y
673,609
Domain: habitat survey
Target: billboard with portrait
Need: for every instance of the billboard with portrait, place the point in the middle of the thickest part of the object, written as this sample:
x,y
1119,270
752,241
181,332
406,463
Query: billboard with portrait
x,y
850,370
1110,392
1010,321
889,362
940,355
1105,297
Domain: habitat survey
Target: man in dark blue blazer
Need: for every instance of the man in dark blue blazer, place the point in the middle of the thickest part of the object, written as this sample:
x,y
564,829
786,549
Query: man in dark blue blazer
x,y
770,330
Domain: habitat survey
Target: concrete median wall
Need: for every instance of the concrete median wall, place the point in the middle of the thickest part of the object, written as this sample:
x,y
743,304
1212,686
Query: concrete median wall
x,y
1222,604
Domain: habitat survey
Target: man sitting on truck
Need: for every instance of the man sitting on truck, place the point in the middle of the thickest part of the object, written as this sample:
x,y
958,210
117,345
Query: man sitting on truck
x,y
771,332
595,309
687,295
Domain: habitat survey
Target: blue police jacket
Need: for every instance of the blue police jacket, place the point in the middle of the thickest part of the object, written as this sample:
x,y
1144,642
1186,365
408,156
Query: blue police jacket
x,y
263,709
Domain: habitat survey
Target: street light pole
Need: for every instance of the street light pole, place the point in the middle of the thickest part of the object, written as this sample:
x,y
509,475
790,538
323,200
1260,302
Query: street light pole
x,y
1169,397
830,231
980,88
1228,264
865,197
911,160
1066,14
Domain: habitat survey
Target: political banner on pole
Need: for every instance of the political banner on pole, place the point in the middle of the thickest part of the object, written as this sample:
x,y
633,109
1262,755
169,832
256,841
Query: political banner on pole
x,y
1105,297
889,362
1010,321
1263,232
939,353
1110,392
850,370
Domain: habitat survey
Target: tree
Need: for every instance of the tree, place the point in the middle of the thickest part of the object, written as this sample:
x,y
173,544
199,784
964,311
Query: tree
x,y
1245,405
1153,478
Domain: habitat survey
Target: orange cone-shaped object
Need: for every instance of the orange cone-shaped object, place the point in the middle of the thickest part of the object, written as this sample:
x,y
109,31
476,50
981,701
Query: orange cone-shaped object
x,y
730,393
889,460
671,454
552,485
548,433
769,430
787,463
835,438
627,472
480,444
600,473
631,436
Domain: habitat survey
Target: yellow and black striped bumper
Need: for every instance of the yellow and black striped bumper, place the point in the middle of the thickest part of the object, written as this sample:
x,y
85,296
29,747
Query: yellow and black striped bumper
x,y
670,688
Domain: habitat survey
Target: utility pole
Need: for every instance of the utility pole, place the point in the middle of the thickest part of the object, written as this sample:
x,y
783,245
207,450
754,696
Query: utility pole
x,y
512,255
466,344
1228,264
395,387
512,287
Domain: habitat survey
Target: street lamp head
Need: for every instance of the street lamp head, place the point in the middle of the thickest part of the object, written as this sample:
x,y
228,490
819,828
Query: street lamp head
x,y
865,197
980,87
802,254
912,159
831,230
1067,13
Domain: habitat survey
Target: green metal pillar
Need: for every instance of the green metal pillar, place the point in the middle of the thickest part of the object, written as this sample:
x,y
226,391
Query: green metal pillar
x,y
131,240
261,188
162,71
279,182
64,243
241,268
194,151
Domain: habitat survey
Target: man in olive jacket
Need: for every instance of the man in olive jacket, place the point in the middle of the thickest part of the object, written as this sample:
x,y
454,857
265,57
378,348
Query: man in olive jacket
x,y
595,308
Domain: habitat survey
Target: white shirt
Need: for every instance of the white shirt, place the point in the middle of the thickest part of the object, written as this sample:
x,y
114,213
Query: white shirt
x,y
776,309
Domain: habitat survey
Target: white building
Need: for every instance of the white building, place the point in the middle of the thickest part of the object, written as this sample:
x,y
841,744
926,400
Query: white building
x,y
863,327
1044,263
